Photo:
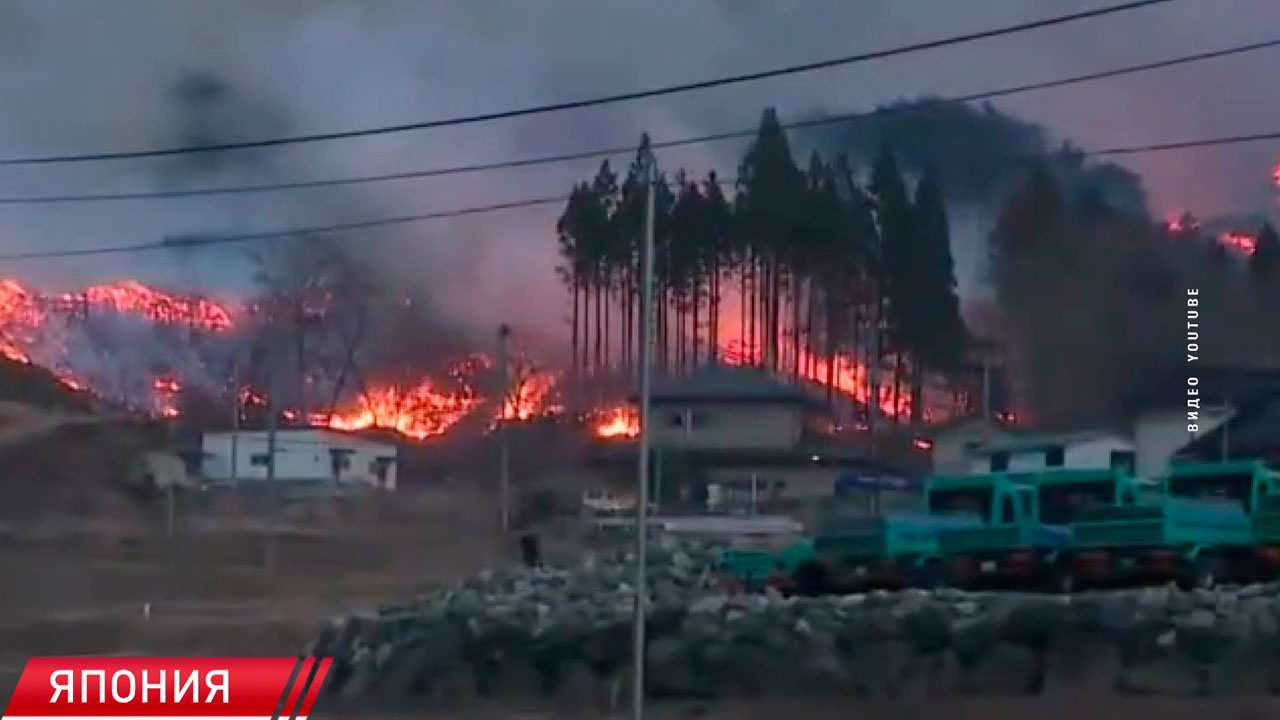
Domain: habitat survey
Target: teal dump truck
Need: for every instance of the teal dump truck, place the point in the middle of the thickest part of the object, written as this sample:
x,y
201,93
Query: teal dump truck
x,y
1200,524
971,529
1027,521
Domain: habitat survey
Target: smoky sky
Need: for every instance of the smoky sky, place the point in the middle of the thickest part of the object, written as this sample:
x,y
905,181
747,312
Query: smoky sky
x,y
85,76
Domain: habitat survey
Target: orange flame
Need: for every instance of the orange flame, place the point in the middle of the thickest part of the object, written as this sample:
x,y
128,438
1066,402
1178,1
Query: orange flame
x,y
1243,242
419,412
621,421
531,396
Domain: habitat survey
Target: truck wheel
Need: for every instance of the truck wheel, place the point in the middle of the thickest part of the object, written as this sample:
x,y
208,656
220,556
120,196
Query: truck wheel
x,y
811,579
931,576
1062,579
1204,572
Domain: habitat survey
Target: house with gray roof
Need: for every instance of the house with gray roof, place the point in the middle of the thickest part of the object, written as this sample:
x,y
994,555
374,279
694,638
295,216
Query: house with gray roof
x,y
751,439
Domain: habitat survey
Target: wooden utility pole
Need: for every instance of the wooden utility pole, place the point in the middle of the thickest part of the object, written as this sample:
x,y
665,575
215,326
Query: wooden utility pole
x,y
269,558
235,421
642,489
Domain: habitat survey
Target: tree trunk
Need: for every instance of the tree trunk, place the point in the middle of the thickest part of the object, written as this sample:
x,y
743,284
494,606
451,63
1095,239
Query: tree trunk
x,y
775,313
713,311
754,350
573,344
599,345
350,356
796,370
608,330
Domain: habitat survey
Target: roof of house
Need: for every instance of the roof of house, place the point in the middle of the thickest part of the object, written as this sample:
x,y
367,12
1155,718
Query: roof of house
x,y
727,383
1254,431
966,421
1026,442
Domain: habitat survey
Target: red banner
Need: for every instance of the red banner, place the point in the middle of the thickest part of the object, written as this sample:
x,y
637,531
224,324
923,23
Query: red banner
x,y
87,688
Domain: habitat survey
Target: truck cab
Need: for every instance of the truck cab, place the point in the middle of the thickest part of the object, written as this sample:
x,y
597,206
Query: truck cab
x,y
1026,521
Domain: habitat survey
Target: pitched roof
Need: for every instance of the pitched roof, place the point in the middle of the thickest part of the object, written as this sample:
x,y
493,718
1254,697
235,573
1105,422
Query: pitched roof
x,y
1022,442
727,383
969,420
1254,431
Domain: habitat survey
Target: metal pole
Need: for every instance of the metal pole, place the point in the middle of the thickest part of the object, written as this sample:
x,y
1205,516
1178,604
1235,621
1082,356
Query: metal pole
x,y
504,454
642,491
272,423
235,421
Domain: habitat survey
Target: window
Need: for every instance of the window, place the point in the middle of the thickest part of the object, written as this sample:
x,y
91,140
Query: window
x,y
1000,462
1213,487
1060,502
698,419
963,500
1007,511
1124,461
1054,457
339,460
675,420
260,460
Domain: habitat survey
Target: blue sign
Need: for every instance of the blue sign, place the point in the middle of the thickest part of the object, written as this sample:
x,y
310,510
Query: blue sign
x,y
873,481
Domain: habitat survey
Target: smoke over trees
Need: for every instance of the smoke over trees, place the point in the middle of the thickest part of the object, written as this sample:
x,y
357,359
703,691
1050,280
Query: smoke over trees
x,y
802,267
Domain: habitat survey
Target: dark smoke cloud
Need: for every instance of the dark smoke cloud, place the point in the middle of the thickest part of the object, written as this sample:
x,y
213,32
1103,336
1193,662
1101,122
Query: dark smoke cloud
x,y
80,75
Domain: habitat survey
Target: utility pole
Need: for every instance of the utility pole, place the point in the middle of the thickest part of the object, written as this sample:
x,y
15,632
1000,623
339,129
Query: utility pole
x,y
269,560
235,420
504,451
642,490
873,390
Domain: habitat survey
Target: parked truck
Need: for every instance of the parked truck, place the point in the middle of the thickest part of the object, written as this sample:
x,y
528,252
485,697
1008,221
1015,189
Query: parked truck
x,y
1055,529
1205,523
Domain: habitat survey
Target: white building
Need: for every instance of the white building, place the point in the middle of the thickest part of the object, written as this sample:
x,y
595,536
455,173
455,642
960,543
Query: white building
x,y
310,455
1088,450
954,444
1158,436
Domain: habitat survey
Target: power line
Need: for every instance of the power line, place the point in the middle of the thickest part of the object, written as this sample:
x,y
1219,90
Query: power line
x,y
608,152
517,204
602,100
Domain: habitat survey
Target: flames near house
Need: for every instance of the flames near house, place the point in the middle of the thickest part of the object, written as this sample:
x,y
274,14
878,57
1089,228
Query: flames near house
x,y
63,332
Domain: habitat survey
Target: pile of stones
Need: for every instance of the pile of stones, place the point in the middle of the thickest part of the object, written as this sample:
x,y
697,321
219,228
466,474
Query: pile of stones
x,y
530,633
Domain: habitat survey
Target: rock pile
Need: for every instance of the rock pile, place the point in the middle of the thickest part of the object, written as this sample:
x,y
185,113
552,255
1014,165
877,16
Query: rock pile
x,y
546,633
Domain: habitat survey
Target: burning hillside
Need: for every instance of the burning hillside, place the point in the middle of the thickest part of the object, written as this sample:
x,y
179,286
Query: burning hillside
x,y
146,349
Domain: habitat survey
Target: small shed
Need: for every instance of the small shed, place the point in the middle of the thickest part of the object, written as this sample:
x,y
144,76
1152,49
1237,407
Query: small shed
x,y
1080,450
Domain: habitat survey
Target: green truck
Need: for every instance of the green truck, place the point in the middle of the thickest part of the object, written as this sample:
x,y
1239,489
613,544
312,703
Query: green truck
x,y
1052,529
1203,523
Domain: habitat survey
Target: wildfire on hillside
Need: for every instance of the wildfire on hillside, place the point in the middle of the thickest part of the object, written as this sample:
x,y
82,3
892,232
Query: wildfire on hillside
x,y
1240,241
418,407
28,336
419,412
